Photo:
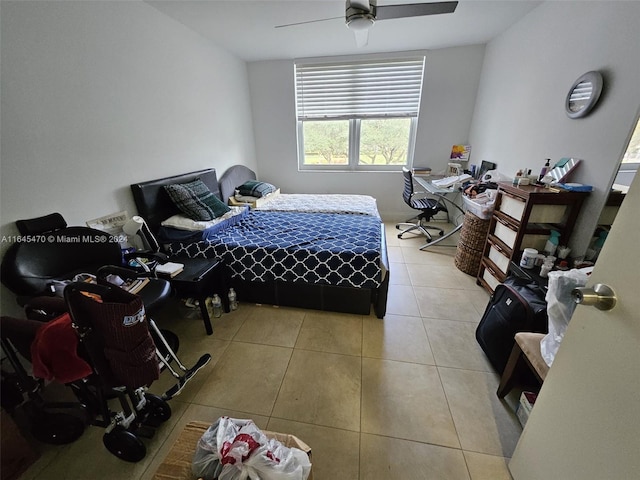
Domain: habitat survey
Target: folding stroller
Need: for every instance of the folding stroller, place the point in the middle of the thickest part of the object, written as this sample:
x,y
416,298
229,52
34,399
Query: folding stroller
x,y
117,357
30,268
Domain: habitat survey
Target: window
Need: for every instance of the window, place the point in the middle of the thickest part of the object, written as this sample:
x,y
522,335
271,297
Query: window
x,y
358,115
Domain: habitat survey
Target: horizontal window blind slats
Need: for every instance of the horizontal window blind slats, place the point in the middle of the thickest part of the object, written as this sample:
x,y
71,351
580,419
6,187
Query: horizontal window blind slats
x,y
359,89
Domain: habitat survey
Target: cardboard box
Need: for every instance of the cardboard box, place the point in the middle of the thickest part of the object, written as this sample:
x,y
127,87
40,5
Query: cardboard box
x,y
177,463
527,400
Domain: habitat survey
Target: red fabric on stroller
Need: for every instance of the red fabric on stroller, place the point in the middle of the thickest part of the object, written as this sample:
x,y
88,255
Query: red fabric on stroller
x,y
54,352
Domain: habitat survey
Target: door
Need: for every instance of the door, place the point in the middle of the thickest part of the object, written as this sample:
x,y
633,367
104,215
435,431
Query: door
x,y
586,421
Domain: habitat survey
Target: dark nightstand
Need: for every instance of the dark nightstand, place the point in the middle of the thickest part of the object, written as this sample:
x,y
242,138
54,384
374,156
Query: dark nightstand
x,y
201,278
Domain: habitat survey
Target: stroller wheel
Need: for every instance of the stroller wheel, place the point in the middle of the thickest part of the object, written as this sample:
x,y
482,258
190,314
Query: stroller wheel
x,y
157,408
58,428
124,445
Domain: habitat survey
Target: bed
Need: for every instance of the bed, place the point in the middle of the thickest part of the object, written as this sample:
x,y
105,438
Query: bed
x,y
323,257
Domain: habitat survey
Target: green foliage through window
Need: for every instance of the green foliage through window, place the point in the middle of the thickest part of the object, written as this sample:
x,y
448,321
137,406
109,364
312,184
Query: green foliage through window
x,y
326,143
384,141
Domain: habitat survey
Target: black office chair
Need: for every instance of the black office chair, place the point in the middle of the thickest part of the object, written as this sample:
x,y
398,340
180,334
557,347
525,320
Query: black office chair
x,y
428,207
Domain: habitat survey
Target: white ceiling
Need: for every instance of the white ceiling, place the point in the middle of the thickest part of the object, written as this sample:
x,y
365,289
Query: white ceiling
x,y
246,28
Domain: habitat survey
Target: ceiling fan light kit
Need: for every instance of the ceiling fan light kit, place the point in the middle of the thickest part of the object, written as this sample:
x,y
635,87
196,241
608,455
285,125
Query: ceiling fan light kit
x,y
360,15
360,23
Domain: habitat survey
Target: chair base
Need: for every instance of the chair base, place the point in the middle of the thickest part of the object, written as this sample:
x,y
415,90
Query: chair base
x,y
418,228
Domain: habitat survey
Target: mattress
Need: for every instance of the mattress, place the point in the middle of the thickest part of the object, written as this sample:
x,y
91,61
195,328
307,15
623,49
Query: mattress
x,y
312,248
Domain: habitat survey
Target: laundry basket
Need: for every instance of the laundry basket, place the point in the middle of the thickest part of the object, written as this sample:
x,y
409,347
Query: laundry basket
x,y
471,244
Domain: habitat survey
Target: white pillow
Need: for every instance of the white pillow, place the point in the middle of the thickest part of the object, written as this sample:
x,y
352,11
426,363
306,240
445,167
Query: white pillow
x,y
182,222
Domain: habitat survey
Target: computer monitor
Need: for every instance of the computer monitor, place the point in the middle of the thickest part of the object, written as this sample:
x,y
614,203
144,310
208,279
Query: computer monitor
x,y
485,167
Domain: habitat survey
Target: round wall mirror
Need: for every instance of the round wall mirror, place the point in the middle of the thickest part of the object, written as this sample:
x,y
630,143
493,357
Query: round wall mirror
x,y
583,94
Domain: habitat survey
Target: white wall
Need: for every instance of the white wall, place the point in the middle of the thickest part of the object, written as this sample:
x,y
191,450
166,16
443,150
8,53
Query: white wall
x,y
98,95
519,118
450,85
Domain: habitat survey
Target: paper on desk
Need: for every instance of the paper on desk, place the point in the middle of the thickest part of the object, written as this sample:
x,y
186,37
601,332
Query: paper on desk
x,y
448,181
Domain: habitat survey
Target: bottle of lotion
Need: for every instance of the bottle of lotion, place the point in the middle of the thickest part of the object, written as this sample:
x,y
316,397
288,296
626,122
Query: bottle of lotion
x,y
545,169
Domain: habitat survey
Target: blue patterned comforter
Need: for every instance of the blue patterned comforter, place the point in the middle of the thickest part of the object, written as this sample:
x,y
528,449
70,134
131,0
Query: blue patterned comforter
x,y
316,248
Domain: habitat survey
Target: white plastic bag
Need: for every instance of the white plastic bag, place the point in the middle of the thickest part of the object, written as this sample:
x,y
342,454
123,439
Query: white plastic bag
x,y
560,307
234,449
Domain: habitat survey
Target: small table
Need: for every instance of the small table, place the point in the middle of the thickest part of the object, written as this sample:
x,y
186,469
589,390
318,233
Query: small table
x,y
201,278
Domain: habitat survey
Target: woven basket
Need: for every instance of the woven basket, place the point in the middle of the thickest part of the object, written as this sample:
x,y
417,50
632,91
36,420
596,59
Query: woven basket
x,y
474,231
467,259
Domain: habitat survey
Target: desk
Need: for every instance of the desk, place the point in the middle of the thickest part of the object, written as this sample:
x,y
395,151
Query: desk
x,y
442,194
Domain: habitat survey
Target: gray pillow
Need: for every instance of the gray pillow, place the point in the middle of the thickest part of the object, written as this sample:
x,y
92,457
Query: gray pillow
x,y
196,201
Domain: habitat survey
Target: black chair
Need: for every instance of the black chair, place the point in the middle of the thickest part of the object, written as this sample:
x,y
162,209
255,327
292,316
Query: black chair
x,y
428,208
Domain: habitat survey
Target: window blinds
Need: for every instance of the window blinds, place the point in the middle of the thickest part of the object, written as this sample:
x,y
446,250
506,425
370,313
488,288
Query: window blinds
x,y
387,88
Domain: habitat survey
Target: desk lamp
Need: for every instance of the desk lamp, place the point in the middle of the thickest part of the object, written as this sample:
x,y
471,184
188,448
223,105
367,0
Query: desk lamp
x,y
137,228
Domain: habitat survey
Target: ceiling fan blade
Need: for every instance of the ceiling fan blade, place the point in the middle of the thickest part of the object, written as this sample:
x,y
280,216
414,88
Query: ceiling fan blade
x,y
362,38
309,21
386,12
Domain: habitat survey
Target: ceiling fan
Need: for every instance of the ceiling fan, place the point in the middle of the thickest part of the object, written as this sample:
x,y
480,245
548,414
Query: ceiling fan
x,y
361,15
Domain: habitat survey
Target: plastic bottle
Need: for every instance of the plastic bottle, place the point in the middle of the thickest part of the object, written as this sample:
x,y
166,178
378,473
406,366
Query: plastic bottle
x,y
216,305
545,169
517,178
552,243
233,300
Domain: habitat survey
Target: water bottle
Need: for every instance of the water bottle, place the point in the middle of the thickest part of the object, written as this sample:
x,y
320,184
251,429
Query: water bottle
x,y
216,305
233,301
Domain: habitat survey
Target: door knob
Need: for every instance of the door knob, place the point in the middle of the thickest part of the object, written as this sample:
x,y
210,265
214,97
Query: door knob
x,y
600,296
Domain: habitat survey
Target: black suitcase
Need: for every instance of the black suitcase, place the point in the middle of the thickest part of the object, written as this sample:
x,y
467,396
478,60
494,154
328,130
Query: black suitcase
x,y
517,305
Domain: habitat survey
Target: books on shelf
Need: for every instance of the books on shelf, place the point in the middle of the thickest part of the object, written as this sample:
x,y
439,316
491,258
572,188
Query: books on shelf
x,y
170,269
421,170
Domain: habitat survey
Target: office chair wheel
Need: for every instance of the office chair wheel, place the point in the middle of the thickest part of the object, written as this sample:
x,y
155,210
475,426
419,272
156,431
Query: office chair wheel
x,y
124,445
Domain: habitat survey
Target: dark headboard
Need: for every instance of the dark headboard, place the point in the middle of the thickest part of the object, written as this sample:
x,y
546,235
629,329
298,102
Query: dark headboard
x,y
153,202
232,178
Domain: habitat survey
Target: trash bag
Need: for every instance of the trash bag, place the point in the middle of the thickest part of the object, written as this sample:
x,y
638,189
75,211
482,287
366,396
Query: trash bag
x,y
235,449
560,307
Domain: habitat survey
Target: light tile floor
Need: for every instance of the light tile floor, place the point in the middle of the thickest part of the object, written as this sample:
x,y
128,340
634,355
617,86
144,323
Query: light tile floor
x,y
411,396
